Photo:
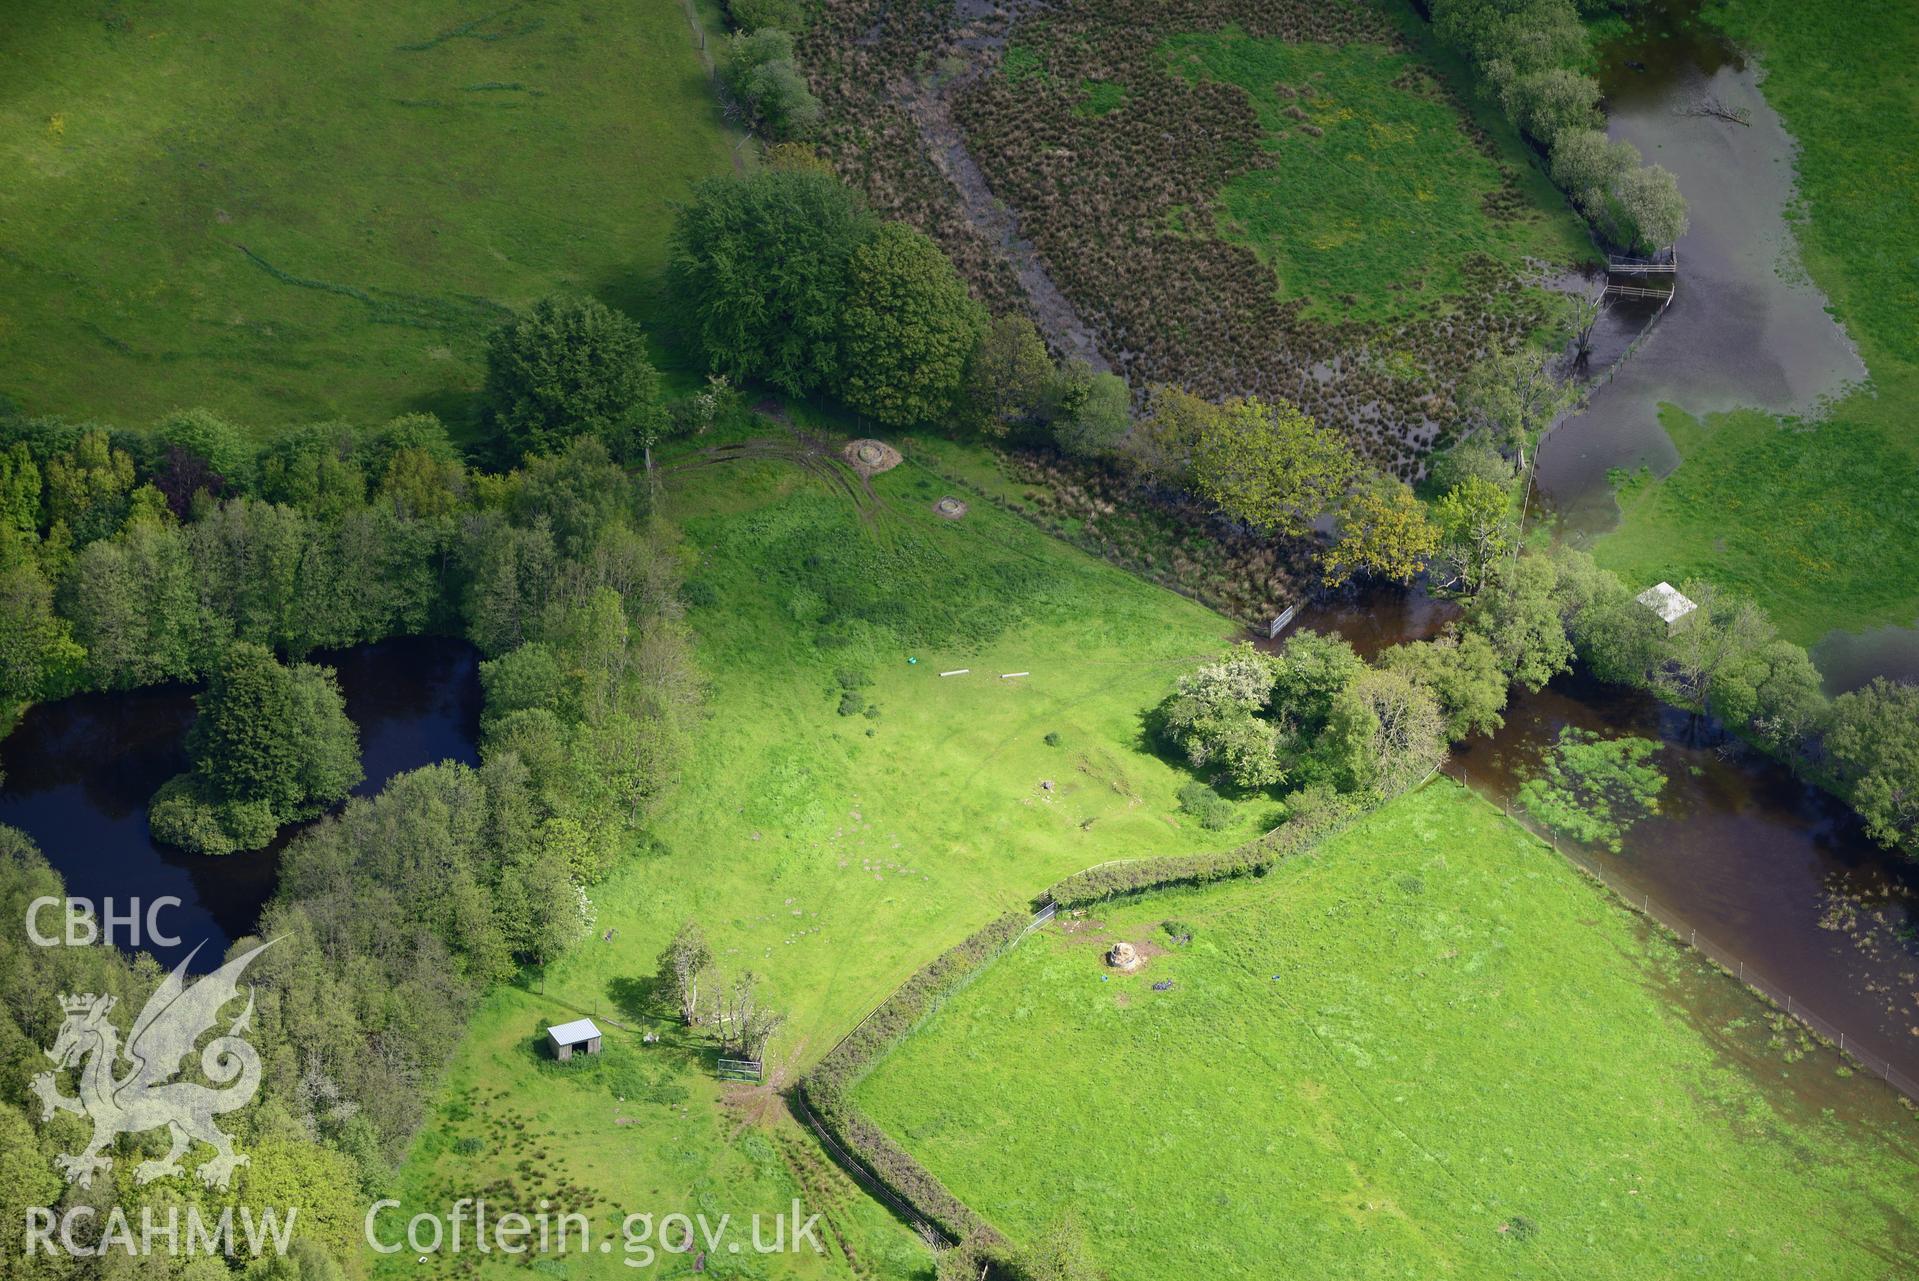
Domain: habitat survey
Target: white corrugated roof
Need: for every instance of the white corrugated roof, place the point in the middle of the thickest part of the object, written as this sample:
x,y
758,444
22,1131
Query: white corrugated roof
x,y
573,1033
1667,601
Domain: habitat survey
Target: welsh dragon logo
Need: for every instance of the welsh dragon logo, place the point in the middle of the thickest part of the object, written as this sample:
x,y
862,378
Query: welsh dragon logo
x,y
143,1096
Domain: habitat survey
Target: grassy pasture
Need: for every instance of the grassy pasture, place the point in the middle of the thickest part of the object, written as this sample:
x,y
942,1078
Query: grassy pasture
x,y
832,860
1381,184
1429,1049
294,212
1816,520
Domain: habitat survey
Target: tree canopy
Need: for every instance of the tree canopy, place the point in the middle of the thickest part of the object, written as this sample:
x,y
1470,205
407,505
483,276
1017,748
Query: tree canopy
x,y
908,328
571,366
760,265
1270,465
272,744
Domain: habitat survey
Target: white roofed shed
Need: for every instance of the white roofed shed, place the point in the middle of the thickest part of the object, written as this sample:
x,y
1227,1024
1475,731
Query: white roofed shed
x,y
1667,601
581,1034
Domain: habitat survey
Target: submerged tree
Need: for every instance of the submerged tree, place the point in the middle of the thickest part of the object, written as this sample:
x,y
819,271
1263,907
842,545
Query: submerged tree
x,y
1514,397
1270,465
1874,741
1383,532
272,745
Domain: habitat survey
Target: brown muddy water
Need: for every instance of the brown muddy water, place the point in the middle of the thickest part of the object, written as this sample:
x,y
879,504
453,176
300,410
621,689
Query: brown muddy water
x,y
1767,868
79,773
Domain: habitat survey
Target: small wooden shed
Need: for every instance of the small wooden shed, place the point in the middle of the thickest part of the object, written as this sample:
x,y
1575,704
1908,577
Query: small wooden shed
x,y
581,1034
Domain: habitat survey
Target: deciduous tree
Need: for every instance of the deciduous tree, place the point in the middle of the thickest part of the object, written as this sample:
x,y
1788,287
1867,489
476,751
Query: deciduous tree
x,y
1874,742
1007,376
908,328
572,366
1384,533
1270,465
760,266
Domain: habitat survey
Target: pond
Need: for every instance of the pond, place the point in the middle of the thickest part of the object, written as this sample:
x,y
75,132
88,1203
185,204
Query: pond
x,y
79,774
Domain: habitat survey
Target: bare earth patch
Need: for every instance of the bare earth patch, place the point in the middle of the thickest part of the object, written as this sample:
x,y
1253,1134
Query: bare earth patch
x,y
871,457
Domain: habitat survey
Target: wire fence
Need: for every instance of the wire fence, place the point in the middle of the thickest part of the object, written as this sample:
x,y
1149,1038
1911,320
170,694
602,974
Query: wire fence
x,y
865,1177
1734,965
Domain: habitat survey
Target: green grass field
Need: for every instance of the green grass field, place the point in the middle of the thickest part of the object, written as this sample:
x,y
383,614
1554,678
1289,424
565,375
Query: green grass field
x,y
1375,188
1431,1049
289,213
834,854
1815,520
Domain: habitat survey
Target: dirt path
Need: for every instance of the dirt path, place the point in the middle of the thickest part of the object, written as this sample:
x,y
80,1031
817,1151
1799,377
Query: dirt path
x,y
980,36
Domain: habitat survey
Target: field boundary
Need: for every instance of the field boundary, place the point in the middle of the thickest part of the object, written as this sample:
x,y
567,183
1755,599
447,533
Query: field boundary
x,y
823,1096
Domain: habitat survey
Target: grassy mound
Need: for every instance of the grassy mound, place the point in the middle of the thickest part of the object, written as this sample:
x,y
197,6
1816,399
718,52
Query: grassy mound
x,y
1430,1049
294,212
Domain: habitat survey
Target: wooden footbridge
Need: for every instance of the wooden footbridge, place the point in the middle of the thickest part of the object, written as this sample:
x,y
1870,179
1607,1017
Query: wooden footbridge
x,y
1642,273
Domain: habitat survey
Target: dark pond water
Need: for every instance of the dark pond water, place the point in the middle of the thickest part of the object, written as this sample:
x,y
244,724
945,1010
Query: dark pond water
x,y
80,773
1765,867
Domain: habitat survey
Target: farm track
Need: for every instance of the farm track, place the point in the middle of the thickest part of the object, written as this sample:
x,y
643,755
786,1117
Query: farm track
x,y
929,106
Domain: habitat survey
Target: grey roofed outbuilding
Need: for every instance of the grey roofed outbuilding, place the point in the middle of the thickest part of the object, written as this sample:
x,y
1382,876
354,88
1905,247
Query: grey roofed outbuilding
x,y
581,1033
1668,602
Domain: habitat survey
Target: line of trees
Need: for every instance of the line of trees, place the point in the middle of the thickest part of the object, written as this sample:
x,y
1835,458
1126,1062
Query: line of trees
x,y
786,277
1531,54
1543,610
1314,718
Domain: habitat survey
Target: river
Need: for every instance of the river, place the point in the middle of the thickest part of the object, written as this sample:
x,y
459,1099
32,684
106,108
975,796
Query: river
x,y
1747,328
1769,870
79,773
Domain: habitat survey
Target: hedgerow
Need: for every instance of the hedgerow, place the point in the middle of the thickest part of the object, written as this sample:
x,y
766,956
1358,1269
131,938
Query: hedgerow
x,y
1254,858
827,1089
